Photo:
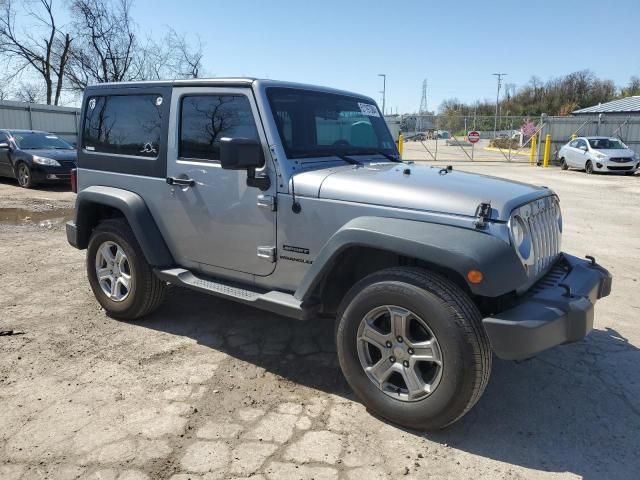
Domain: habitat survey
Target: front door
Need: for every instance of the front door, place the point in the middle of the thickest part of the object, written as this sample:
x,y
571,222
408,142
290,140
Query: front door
x,y
217,223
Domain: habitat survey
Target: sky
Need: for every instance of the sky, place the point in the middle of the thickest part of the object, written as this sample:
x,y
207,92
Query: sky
x,y
456,46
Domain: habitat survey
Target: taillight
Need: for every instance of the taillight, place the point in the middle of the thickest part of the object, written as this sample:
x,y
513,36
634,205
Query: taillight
x,y
74,180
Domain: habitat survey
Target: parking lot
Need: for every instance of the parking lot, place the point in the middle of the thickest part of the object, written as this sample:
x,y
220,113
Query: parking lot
x,y
205,388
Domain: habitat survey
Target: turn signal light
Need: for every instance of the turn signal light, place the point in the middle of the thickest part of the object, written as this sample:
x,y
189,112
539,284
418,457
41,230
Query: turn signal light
x,y
475,276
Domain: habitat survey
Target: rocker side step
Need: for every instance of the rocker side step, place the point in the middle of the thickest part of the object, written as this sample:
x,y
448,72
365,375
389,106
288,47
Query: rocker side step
x,y
272,301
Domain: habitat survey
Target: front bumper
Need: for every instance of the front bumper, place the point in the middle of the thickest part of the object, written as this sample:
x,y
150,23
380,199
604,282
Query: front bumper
x,y
47,173
557,309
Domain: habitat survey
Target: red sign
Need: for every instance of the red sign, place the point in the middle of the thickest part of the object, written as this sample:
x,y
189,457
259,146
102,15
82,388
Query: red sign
x,y
473,137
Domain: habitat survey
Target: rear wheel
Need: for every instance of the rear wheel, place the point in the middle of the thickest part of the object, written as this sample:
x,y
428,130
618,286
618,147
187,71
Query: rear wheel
x,y
120,277
588,167
411,345
23,174
563,164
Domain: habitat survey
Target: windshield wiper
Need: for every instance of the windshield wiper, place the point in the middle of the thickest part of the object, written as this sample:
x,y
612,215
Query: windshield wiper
x,y
348,159
375,152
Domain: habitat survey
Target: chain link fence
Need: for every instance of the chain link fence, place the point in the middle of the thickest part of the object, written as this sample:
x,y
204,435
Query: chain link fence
x,y
506,138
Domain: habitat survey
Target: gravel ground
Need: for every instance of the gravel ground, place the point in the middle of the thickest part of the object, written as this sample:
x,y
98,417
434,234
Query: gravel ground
x,y
207,389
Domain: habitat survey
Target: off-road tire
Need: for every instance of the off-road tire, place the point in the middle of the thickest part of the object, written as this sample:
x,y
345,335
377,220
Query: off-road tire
x,y
454,320
25,180
563,164
147,291
588,167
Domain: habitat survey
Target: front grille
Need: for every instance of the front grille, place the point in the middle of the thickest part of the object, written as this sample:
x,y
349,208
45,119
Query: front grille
x,y
542,218
620,168
621,159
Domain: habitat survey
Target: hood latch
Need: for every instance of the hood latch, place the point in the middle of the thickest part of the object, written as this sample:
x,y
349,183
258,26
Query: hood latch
x,y
483,213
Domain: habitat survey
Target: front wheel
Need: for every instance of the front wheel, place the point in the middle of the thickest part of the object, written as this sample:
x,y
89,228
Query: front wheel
x,y
588,167
563,164
23,174
120,277
411,345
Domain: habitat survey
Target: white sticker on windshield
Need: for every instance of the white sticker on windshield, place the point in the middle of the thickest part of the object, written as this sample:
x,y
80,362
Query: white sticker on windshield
x,y
368,109
53,137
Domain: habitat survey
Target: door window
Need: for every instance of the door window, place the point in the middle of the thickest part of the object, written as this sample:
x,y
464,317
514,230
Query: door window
x,y
123,124
205,119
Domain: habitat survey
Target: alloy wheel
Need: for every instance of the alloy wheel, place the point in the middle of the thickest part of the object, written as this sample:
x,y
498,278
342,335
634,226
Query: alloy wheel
x,y
113,271
399,353
24,175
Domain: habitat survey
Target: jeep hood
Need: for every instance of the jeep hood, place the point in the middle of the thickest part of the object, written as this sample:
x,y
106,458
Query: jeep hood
x,y
424,187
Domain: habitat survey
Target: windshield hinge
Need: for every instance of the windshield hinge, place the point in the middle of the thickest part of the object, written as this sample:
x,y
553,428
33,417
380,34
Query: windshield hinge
x,y
483,213
267,201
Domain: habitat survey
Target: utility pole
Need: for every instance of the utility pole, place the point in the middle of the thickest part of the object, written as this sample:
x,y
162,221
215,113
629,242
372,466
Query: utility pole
x,y
495,122
384,90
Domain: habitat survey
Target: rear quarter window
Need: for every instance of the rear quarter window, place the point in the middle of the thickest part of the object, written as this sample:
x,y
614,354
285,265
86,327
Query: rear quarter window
x,y
123,125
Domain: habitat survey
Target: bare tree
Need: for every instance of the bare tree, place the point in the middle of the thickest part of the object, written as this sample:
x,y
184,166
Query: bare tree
x,y
29,92
44,55
184,61
107,48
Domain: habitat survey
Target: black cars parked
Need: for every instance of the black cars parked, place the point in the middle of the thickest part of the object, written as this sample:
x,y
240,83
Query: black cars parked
x,y
34,157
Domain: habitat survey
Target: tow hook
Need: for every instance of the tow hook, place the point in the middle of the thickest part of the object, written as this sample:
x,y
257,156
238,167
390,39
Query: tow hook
x,y
593,260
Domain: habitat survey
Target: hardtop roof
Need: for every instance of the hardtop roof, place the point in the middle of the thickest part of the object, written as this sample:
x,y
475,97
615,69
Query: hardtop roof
x,y
223,82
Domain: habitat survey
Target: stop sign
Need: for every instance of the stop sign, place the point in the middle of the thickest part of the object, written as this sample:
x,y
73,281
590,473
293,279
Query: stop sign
x,y
473,136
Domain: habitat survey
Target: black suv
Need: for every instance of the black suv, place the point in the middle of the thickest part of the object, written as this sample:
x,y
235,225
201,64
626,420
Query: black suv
x,y
34,157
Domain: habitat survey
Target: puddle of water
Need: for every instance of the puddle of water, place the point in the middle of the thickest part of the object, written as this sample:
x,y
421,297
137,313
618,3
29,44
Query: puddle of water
x,y
48,218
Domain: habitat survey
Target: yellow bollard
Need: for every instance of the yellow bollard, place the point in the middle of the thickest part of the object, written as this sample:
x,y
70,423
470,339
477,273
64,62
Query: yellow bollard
x,y
400,144
532,153
547,151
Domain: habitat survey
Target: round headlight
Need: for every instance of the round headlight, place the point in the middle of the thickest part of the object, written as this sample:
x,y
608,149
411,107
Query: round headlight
x,y
521,236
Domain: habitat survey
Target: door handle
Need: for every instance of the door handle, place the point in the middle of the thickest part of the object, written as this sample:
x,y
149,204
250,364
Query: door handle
x,y
181,182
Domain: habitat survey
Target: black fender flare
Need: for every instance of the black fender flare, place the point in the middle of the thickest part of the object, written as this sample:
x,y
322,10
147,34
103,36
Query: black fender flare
x,y
134,209
449,247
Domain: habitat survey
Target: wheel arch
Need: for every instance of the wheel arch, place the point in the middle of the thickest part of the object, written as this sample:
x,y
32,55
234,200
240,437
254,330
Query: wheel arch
x,y
97,203
368,244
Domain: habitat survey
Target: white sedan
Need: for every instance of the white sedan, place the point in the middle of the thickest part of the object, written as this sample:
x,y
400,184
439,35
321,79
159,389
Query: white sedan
x,y
599,154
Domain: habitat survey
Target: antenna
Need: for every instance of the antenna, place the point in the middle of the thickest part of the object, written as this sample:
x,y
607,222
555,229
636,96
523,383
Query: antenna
x,y
423,107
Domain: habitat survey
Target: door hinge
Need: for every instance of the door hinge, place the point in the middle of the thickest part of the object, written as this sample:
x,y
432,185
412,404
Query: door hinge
x,y
268,253
267,201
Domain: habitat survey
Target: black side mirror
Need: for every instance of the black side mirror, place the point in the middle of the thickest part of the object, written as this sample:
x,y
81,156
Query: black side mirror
x,y
240,153
244,154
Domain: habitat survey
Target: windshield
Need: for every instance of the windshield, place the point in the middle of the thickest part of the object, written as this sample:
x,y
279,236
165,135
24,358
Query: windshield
x,y
606,143
39,141
318,124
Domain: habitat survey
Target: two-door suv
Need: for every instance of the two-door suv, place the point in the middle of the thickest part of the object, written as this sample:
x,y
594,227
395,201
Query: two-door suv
x,y
292,198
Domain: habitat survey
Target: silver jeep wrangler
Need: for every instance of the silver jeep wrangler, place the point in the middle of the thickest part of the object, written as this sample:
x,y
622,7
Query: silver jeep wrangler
x,y
293,199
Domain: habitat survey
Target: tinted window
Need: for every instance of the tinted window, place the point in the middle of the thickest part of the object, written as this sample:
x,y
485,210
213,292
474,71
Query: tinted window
x,y
39,141
314,124
574,144
205,119
3,137
123,124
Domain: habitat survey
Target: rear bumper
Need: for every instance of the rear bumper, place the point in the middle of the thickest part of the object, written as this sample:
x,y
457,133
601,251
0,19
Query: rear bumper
x,y
557,309
72,234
